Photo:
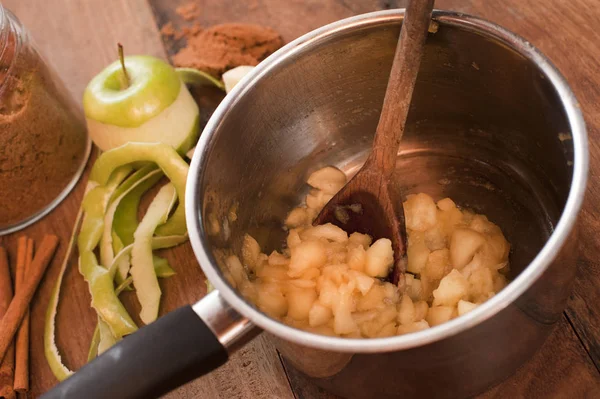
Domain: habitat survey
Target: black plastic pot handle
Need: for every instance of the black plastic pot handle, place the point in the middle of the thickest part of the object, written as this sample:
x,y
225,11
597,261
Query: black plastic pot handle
x,y
161,356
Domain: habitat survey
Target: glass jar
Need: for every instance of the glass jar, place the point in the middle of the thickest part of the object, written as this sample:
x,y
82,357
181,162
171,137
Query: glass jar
x,y
44,143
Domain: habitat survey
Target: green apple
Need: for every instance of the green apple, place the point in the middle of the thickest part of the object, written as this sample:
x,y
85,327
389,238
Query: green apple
x,y
152,105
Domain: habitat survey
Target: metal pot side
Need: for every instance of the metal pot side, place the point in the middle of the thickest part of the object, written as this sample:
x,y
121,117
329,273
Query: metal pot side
x,y
493,125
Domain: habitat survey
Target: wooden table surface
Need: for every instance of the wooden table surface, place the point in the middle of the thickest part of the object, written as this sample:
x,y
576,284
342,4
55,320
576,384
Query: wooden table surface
x,y
79,38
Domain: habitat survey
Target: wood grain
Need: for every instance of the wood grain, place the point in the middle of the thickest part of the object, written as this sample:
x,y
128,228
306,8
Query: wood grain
x,y
80,38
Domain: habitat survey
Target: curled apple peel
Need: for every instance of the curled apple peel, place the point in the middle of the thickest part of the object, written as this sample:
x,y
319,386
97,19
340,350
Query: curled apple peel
x,y
143,126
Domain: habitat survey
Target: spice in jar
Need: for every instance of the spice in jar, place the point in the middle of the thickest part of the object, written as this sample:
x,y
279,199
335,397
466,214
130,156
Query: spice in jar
x,y
43,140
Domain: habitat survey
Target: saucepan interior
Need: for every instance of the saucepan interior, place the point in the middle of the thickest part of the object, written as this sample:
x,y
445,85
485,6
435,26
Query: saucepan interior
x,y
492,125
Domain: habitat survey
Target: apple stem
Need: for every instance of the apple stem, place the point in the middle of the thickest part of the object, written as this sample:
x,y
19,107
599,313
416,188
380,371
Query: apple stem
x,y
125,76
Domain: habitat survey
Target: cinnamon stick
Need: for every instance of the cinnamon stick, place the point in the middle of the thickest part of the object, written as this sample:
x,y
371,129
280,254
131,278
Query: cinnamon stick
x,y
18,307
6,293
21,383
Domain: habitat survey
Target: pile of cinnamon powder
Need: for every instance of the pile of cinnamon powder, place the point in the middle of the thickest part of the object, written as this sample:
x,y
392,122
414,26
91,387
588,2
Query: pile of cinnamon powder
x,y
222,47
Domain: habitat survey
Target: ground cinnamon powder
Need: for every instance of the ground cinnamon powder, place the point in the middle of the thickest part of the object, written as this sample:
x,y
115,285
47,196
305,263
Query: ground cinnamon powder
x,y
222,47
188,11
43,139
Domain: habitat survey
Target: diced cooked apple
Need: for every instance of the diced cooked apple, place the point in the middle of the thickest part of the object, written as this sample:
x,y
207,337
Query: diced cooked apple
x,y
297,217
293,238
319,315
356,258
250,252
368,315
481,224
363,240
499,282
306,255
373,299
311,273
362,281
463,246
438,264
420,212
452,289
465,306
391,293
387,314
439,314
497,248
417,254
412,327
421,309
302,283
273,274
380,258
406,310
343,323
476,263
389,330
271,300
338,257
328,294
446,204
336,273
427,287
325,281
277,259
328,231
328,179
300,301
481,285
435,238
413,287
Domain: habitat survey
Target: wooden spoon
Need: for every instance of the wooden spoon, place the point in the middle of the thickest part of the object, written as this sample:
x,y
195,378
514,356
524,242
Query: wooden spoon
x,y
380,213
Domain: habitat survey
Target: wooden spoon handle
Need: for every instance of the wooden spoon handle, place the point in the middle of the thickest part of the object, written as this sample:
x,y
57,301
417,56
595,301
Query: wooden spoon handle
x,y
401,84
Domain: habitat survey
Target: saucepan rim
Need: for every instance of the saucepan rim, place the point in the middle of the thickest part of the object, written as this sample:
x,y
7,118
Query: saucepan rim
x,y
194,202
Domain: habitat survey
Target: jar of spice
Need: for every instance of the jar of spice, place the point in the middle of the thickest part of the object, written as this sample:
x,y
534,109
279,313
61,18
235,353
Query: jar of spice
x,y
44,144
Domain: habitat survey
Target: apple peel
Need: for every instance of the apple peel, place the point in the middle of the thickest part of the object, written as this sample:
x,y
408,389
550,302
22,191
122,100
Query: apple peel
x,y
51,351
157,243
143,180
195,77
94,200
142,270
99,280
163,270
171,163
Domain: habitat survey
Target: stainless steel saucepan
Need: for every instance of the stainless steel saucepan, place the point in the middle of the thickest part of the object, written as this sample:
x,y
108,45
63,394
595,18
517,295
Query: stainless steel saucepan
x,y
493,125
